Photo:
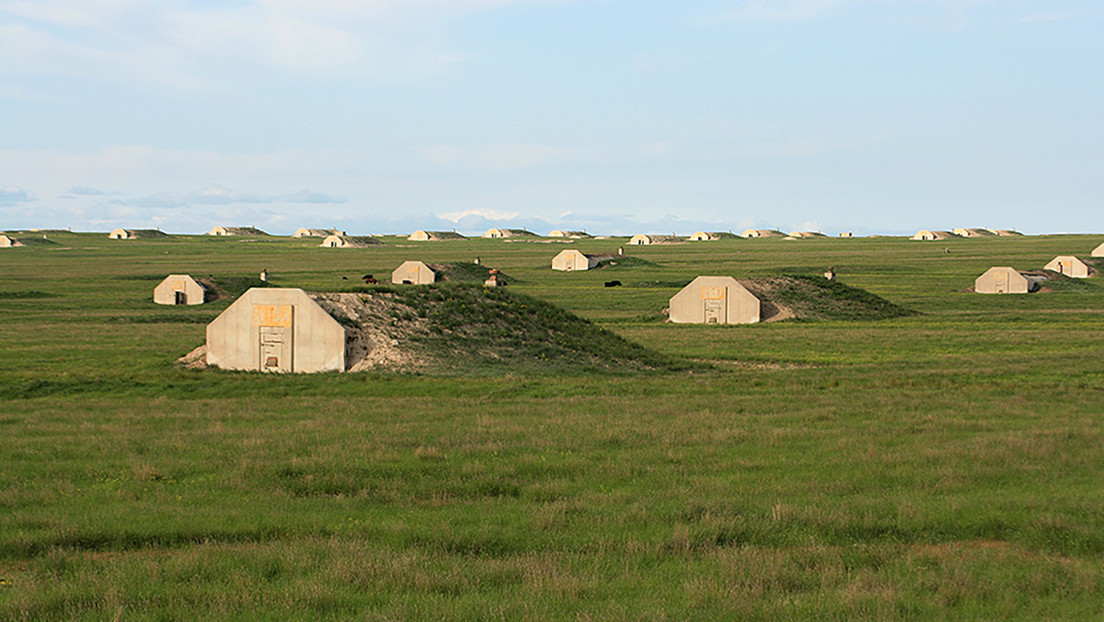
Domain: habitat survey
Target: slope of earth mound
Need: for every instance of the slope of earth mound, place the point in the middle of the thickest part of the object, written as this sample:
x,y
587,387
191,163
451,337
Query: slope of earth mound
x,y
457,328
465,272
807,297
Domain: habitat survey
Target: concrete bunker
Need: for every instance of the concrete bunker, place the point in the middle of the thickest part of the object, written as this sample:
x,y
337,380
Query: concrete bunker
x,y
304,232
925,234
9,242
276,330
571,260
714,300
1070,266
179,289
220,231
136,234
434,236
644,239
1006,280
350,241
413,273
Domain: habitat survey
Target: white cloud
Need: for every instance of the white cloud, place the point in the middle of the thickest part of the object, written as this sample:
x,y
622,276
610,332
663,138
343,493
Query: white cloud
x,y
10,195
216,194
177,46
488,214
306,195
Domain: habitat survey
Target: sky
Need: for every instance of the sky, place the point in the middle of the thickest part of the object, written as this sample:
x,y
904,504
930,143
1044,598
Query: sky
x,y
617,117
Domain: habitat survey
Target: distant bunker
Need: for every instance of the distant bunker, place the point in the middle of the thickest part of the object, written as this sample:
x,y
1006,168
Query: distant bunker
x,y
571,260
179,289
413,273
1070,266
1006,280
714,300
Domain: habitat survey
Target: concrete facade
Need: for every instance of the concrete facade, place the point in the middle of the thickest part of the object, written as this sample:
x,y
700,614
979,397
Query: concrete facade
x,y
560,233
497,234
349,241
972,233
316,233
644,239
413,273
714,300
434,236
1098,251
1005,280
924,234
1069,266
230,231
761,233
571,260
9,242
136,234
709,236
276,330
179,289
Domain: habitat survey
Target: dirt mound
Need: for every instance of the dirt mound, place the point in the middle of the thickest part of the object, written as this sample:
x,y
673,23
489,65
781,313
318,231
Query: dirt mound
x,y
454,328
376,327
466,327
463,272
807,297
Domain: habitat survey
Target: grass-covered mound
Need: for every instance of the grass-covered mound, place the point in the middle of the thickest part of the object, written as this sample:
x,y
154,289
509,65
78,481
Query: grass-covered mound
x,y
463,328
465,272
808,297
625,261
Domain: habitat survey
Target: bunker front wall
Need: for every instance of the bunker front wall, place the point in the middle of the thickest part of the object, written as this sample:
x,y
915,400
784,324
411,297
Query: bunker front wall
x,y
719,300
281,330
165,293
570,261
1001,282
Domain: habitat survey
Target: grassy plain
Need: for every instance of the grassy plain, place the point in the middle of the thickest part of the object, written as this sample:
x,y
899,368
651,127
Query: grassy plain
x,y
943,465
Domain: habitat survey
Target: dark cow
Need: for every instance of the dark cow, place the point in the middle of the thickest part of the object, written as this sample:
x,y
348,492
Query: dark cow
x,y
613,283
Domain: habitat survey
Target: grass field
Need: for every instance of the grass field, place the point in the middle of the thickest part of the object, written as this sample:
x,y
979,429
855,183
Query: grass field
x,y
942,465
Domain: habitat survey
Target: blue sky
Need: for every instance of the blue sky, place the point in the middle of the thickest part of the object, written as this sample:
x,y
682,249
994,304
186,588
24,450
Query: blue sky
x,y
385,116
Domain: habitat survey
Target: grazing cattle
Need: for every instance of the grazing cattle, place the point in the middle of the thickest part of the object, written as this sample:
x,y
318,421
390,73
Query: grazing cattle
x,y
369,279
613,283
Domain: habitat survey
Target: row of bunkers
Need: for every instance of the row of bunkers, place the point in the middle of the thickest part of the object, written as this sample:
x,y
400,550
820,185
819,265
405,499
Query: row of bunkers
x,y
1008,280
336,238
286,330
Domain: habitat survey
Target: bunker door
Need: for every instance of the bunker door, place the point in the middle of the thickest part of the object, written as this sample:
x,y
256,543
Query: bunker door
x,y
715,304
274,337
180,298
1002,283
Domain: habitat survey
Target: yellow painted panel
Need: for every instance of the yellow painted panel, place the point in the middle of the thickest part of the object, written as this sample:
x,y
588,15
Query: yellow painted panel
x,y
719,292
272,315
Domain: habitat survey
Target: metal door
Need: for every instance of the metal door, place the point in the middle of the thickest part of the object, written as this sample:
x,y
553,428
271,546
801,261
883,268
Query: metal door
x,y
1002,283
715,304
275,348
715,312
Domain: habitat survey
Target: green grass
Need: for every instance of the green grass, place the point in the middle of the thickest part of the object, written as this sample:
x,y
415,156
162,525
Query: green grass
x,y
940,465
